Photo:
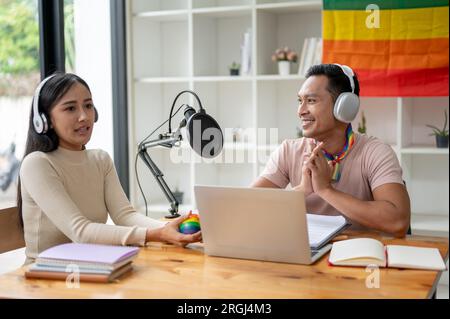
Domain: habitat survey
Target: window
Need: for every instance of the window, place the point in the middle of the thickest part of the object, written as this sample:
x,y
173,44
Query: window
x,y
87,39
87,53
19,75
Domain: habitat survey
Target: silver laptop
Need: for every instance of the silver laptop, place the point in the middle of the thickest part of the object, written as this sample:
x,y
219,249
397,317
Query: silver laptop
x,y
255,223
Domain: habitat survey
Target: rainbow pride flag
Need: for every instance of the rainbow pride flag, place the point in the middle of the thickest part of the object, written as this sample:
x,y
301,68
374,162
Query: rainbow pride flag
x,y
396,47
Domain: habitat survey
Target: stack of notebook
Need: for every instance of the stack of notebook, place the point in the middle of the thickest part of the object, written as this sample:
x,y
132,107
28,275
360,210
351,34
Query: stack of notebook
x,y
91,262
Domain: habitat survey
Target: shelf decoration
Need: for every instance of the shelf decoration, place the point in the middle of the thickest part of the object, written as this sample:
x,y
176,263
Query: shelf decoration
x,y
440,134
362,129
234,69
396,47
284,57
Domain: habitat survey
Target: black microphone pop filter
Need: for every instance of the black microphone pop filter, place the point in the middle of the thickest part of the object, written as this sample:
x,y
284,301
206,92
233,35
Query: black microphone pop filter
x,y
203,132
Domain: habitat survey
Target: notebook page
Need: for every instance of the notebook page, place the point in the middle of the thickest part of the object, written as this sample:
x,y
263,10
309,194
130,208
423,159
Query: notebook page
x,y
357,248
322,228
414,257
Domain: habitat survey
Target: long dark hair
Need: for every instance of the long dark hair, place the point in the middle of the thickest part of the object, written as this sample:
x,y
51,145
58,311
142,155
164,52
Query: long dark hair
x,y
53,90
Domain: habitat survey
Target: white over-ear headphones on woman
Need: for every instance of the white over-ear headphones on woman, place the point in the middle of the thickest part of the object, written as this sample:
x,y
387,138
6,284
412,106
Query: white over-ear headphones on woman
x,y
40,121
346,106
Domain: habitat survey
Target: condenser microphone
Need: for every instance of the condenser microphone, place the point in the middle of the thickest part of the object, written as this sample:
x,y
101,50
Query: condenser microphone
x,y
203,132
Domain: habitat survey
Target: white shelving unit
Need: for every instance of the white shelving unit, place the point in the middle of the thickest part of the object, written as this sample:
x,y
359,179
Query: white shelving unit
x,y
189,44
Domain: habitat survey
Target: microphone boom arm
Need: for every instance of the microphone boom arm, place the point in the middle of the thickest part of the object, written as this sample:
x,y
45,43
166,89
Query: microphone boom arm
x,y
168,142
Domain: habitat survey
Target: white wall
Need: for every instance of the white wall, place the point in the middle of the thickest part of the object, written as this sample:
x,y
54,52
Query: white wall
x,y
93,64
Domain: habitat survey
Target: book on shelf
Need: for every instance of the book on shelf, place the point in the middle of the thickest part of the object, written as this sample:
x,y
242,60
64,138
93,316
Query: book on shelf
x,y
318,52
311,54
361,252
246,53
301,61
92,262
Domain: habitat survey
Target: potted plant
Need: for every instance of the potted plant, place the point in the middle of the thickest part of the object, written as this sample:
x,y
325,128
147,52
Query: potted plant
x,y
237,134
362,125
441,135
284,57
299,132
234,68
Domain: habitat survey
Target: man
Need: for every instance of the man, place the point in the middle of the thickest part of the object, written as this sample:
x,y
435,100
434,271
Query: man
x,y
338,170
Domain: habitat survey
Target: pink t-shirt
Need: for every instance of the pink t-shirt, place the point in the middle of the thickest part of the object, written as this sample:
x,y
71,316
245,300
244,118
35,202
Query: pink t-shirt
x,y
369,164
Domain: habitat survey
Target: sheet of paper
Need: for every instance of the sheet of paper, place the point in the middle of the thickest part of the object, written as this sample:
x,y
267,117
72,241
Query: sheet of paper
x,y
321,228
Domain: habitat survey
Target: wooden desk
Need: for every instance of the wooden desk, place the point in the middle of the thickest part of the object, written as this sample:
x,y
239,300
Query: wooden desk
x,y
164,271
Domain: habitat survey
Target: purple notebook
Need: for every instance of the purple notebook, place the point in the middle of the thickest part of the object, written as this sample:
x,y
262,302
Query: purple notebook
x,y
92,253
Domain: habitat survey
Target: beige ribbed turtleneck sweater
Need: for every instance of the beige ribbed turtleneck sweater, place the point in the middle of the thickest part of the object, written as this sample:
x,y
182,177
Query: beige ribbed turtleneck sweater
x,y
67,196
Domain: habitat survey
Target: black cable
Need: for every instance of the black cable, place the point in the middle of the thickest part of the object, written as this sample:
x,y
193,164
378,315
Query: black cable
x,y
139,184
137,154
174,101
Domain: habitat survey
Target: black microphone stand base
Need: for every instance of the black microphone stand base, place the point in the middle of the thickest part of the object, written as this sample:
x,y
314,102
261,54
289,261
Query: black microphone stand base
x,y
172,215
173,210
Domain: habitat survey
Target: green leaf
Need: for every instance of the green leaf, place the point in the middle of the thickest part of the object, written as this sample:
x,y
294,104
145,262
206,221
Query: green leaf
x,y
433,127
19,37
445,122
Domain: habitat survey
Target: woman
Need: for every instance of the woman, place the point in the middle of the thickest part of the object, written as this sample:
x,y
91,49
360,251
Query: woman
x,y
65,191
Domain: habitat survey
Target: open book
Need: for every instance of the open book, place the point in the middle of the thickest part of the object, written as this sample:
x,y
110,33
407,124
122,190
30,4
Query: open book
x,y
368,251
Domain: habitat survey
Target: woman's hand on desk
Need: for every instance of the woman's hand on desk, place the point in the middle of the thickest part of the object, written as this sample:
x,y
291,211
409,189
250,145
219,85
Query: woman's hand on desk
x,y
170,234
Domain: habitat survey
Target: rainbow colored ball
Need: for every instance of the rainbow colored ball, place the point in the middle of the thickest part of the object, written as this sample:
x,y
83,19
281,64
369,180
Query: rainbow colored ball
x,y
190,225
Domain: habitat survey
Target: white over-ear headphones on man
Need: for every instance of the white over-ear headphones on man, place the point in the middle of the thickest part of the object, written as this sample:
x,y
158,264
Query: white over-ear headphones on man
x,y
40,121
346,106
